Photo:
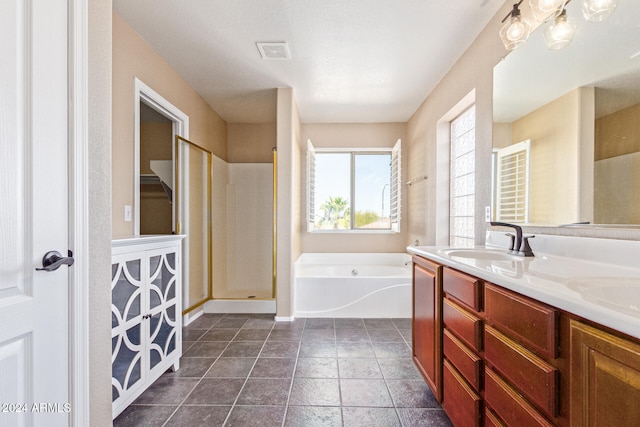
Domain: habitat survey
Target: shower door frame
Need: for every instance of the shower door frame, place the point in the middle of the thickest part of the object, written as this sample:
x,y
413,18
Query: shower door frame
x,y
182,211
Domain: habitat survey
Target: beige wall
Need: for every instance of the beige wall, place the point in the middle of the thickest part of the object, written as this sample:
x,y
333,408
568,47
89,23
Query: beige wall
x,y
618,134
554,131
355,135
474,70
133,57
617,167
288,244
99,189
617,199
251,142
502,135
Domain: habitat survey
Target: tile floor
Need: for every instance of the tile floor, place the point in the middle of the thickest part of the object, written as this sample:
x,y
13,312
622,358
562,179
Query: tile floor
x,y
247,370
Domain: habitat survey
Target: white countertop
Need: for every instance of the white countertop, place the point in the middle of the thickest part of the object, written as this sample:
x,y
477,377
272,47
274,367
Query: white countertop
x,y
599,282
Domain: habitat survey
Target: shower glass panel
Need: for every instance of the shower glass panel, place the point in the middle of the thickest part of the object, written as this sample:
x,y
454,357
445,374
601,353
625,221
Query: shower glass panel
x,y
193,198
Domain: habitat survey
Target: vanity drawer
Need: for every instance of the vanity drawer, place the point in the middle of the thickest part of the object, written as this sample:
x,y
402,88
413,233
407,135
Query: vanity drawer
x,y
532,376
491,419
461,403
466,361
463,324
508,404
528,322
466,289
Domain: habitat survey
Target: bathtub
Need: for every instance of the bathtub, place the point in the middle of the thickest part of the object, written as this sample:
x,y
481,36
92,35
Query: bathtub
x,y
352,285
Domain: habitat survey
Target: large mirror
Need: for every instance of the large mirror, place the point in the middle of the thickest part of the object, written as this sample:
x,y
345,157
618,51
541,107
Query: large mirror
x,y
575,115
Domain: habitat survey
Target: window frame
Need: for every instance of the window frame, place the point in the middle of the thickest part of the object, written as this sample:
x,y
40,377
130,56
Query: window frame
x,y
520,156
394,187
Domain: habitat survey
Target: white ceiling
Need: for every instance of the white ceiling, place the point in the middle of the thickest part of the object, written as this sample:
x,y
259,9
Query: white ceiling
x,y
352,60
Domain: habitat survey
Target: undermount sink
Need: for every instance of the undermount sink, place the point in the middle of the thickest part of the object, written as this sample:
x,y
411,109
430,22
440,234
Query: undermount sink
x,y
616,292
480,254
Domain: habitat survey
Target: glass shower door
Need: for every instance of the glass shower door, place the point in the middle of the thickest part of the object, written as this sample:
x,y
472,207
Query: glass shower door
x,y
193,211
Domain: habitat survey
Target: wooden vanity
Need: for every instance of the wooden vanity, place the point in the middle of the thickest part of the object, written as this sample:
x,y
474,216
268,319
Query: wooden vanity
x,y
494,357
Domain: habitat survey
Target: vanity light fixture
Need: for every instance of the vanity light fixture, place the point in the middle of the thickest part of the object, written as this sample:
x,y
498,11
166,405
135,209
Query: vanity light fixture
x,y
597,10
516,29
559,34
545,9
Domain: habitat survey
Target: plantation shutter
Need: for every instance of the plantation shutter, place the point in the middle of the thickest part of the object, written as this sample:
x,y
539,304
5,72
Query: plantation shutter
x,y
512,192
396,185
311,186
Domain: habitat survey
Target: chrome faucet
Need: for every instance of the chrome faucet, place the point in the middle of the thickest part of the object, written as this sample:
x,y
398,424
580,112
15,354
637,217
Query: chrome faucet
x,y
519,243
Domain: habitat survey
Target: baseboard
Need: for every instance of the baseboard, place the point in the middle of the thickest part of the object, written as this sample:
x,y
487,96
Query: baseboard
x,y
191,316
240,306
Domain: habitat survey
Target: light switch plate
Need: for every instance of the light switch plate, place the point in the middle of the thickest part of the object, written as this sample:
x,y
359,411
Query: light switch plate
x,y
127,213
487,214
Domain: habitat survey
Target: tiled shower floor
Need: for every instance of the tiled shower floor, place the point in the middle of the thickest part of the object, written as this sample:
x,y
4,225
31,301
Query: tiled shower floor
x,y
247,370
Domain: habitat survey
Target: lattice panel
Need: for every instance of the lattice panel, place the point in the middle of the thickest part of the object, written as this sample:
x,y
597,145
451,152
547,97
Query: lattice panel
x,y
162,302
126,343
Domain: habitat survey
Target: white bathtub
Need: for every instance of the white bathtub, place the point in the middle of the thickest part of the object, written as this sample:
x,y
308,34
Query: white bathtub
x,y
352,285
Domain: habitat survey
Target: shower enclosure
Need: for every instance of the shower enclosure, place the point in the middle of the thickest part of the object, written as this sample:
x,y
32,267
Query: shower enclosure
x,y
227,212
243,230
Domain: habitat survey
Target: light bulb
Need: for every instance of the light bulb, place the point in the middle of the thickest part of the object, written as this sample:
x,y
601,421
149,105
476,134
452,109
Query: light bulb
x,y
544,9
598,10
515,30
559,34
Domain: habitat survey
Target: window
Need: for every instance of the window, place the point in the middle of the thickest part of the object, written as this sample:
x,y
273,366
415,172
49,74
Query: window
x,y
512,183
462,179
365,182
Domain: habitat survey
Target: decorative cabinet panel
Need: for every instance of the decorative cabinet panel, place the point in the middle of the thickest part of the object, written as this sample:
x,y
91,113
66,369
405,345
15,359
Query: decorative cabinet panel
x,y
427,352
146,337
605,378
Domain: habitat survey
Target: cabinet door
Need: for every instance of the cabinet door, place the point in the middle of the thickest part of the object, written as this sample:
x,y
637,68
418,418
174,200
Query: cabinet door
x,y
426,328
163,306
605,378
127,284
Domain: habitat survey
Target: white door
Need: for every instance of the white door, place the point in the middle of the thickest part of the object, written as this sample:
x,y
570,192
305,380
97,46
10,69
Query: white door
x,y
34,311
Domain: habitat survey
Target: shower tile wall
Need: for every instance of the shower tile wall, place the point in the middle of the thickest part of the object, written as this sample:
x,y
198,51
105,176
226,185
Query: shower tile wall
x,y
242,229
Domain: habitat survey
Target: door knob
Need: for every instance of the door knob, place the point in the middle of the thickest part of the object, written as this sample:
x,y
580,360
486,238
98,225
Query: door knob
x,y
53,260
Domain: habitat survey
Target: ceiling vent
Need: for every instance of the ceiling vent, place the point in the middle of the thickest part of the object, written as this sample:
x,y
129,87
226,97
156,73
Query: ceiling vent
x,y
274,50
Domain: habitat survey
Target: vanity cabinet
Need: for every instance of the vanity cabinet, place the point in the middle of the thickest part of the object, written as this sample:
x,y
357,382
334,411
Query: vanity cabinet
x,y
462,347
605,378
146,334
511,360
426,331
